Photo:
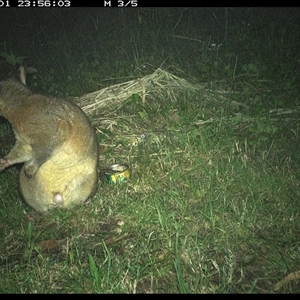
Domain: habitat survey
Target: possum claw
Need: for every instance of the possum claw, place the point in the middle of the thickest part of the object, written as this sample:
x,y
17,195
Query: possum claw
x,y
4,163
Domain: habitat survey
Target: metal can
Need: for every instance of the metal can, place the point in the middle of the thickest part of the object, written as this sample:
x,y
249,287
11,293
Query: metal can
x,y
116,173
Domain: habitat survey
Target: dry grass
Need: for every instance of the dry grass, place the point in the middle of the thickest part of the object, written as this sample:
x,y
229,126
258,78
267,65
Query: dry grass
x,y
160,85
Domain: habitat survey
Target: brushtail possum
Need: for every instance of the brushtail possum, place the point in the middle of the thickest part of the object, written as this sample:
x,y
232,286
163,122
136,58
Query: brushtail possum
x,y
56,142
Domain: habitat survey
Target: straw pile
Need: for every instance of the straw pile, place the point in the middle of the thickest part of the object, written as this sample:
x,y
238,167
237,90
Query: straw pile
x,y
158,85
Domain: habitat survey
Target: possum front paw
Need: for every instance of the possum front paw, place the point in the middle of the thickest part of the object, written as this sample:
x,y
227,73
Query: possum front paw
x,y
30,170
4,163
58,200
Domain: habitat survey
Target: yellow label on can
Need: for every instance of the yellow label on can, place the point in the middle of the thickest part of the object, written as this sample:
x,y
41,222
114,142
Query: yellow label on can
x,y
114,177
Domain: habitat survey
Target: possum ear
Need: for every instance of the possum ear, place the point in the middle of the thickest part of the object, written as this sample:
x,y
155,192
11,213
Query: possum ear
x,y
22,74
19,75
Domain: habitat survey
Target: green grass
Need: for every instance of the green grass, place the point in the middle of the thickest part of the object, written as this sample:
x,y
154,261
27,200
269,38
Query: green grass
x,y
213,202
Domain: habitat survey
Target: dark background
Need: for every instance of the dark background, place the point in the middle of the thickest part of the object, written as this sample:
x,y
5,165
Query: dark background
x,y
115,42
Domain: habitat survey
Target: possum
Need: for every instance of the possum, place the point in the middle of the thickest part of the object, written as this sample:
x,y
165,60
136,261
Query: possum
x,y
56,142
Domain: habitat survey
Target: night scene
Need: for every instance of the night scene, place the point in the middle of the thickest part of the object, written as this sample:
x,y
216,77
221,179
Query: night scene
x,y
149,149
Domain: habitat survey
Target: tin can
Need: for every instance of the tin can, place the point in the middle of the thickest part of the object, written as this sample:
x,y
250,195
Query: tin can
x,y
117,173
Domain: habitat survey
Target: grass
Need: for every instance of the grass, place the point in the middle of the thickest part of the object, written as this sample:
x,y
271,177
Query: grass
x,y
213,204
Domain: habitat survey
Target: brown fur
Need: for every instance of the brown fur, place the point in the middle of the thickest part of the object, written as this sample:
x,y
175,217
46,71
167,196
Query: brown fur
x,y
55,141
